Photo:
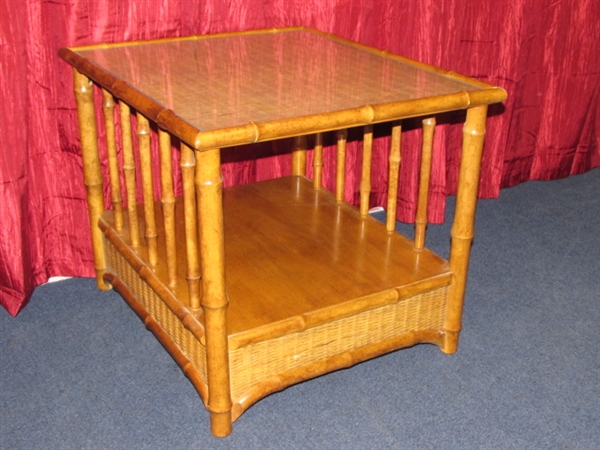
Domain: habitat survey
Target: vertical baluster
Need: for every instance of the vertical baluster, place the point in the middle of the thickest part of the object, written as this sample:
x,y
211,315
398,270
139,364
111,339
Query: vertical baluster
x,y
188,167
108,108
92,176
427,150
143,131
394,171
168,204
318,162
365,182
129,171
464,220
209,185
340,179
299,156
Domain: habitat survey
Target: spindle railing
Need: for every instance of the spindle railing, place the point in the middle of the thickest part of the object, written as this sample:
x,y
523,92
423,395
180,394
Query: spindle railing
x,y
125,169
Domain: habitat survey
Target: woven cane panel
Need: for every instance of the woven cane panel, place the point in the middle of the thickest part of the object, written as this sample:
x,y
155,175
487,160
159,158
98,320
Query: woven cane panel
x,y
181,337
258,362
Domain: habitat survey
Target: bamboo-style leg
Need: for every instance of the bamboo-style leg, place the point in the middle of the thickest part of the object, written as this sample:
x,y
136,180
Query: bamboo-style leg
x,y
299,156
209,188
425,175
129,172
318,162
365,182
168,204
464,219
108,108
340,177
188,167
92,176
151,235
393,177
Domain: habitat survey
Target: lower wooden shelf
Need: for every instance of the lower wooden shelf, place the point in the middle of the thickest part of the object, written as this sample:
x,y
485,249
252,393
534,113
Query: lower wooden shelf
x,y
312,287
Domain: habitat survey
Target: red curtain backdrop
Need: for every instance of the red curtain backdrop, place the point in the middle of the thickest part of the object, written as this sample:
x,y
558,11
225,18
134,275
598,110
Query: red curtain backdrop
x,y
543,52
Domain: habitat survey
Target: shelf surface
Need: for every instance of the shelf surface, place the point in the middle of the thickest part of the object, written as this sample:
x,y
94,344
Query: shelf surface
x,y
293,251
296,258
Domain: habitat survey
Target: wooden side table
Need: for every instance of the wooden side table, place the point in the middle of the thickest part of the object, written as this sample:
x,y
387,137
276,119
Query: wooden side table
x,y
256,287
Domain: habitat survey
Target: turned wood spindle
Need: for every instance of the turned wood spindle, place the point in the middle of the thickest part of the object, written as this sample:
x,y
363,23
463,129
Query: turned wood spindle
x,y
108,108
143,132
340,178
393,177
318,162
365,182
129,172
299,156
424,178
168,204
188,168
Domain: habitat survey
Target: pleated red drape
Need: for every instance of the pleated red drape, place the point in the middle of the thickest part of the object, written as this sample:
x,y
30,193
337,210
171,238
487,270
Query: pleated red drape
x,y
543,52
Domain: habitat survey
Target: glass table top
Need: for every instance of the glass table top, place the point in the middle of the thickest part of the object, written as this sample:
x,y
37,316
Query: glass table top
x,y
218,82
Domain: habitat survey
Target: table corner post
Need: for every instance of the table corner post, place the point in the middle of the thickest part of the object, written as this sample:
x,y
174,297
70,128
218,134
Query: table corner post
x,y
464,222
92,175
209,186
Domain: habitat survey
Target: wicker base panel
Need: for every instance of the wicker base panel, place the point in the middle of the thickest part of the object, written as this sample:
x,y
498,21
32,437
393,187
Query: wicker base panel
x,y
265,367
256,363
261,368
185,345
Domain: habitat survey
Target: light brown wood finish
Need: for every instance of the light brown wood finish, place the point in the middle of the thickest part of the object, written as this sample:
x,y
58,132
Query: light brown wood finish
x,y
188,171
256,287
168,205
365,182
464,221
108,108
426,155
129,173
92,176
299,155
307,249
340,170
318,162
381,281
393,176
143,133
209,188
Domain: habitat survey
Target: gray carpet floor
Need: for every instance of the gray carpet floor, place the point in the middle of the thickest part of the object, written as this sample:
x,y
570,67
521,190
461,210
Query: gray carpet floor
x,y
78,370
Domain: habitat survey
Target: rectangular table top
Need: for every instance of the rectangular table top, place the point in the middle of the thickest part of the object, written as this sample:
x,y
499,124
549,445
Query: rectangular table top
x,y
222,90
